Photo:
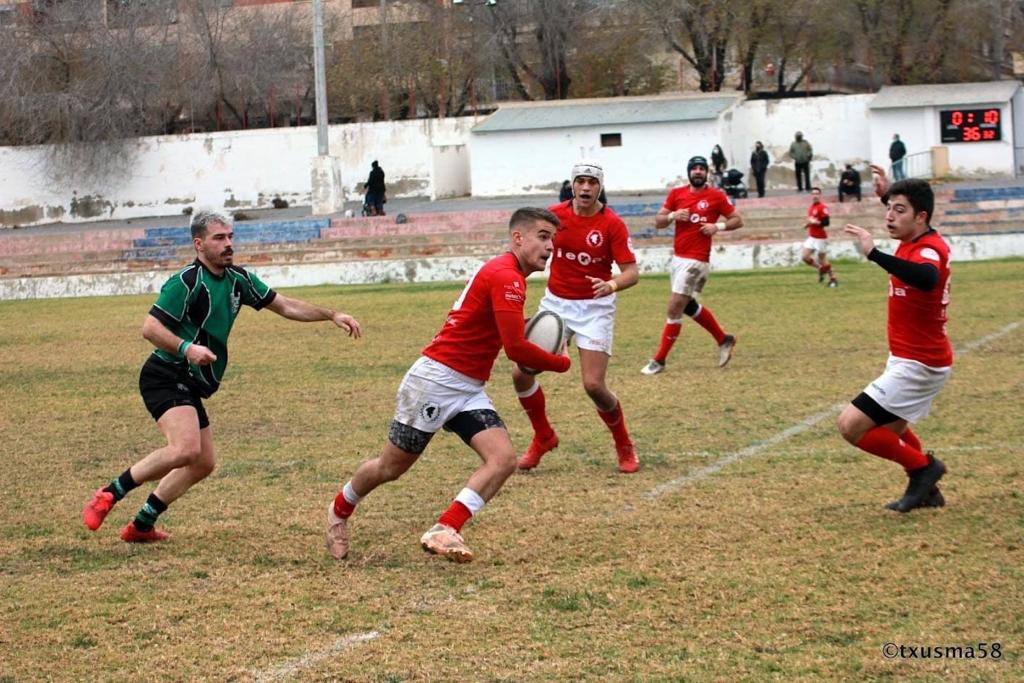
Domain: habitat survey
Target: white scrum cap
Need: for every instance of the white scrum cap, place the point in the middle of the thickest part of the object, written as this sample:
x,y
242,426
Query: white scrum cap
x,y
588,167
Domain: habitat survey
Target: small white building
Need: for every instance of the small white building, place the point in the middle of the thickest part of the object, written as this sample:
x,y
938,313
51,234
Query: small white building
x,y
981,125
643,142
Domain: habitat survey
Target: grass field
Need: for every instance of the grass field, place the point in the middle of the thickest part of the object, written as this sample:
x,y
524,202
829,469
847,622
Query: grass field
x,y
752,545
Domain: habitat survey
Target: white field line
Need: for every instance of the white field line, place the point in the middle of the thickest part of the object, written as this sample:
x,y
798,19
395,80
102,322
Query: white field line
x,y
800,427
293,666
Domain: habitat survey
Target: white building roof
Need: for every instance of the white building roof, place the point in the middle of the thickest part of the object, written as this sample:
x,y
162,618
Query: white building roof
x,y
604,112
943,94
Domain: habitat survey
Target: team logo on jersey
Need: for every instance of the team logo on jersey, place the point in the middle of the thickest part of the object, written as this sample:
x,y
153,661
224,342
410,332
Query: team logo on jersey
x,y
430,412
703,204
629,244
595,238
514,293
696,218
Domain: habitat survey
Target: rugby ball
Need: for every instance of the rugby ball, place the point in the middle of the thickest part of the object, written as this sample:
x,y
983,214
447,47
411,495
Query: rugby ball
x,y
547,331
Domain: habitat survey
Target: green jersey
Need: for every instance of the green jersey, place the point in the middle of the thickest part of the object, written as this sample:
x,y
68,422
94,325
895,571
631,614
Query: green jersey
x,y
201,307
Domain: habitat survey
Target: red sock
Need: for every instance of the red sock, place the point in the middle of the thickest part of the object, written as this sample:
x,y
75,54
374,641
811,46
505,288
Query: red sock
x,y
534,405
708,322
342,507
885,444
455,516
910,438
616,424
668,338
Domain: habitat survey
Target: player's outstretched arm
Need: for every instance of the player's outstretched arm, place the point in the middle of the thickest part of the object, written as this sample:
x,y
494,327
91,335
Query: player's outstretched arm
x,y
880,180
864,239
302,311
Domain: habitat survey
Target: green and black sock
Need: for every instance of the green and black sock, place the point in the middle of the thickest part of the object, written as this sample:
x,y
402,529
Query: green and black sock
x,y
122,485
153,508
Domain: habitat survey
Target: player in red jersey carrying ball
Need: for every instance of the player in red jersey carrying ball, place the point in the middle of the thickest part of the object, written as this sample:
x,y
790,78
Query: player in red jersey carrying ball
x,y
582,291
817,239
698,212
445,389
920,356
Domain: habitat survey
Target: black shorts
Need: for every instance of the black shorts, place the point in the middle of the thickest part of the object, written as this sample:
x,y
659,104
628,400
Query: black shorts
x,y
164,386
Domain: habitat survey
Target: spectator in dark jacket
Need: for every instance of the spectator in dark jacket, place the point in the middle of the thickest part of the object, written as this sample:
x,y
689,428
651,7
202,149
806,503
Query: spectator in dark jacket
x,y
897,150
375,190
849,182
759,166
565,194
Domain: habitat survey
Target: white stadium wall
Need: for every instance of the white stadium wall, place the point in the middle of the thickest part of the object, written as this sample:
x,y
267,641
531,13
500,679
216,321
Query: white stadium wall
x,y
652,156
234,170
837,126
441,158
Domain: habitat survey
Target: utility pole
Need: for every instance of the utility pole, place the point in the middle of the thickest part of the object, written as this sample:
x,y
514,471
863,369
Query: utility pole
x,y
327,194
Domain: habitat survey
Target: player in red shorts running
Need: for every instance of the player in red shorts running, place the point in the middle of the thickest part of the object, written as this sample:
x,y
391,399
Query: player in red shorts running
x,y
817,239
698,212
445,389
582,291
920,356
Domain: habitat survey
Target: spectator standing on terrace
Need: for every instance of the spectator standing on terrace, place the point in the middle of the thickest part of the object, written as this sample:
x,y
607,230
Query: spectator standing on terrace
x,y
375,190
759,166
897,150
189,325
718,164
801,152
565,194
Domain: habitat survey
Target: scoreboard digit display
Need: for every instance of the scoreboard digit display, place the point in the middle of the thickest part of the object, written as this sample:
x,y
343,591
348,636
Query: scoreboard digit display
x,y
971,125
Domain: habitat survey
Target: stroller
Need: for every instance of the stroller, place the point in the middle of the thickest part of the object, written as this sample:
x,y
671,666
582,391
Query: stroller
x,y
732,184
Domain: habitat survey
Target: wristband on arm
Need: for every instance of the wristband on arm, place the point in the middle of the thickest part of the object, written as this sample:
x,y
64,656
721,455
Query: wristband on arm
x,y
183,347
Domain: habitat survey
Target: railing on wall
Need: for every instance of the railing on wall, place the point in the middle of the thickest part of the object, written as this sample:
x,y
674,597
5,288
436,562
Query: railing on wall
x,y
918,165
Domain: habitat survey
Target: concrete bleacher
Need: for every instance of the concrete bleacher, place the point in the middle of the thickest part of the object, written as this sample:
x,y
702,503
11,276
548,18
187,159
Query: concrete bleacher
x,y
477,232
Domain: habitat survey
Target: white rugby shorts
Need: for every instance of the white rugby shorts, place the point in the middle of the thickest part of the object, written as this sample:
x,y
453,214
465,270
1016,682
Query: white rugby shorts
x,y
688,276
431,393
907,388
591,321
818,244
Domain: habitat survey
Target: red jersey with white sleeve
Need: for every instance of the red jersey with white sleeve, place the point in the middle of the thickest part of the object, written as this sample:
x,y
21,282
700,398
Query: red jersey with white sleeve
x,y
487,316
586,245
817,212
706,205
917,319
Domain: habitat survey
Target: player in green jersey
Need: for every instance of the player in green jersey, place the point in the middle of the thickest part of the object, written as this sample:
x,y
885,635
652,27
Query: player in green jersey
x,y
189,325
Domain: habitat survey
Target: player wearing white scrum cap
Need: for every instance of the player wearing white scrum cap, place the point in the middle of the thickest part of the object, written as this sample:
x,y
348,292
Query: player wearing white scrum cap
x,y
582,291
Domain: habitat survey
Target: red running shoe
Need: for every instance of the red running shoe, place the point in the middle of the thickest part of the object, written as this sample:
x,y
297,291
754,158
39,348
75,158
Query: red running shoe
x,y
531,458
95,511
130,534
628,462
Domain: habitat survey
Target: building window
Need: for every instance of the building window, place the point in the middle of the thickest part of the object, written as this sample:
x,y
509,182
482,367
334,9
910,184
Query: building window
x,y
611,139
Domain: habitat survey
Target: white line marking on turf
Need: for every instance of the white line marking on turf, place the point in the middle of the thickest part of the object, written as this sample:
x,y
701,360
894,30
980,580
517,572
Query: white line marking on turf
x,y
798,428
293,666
